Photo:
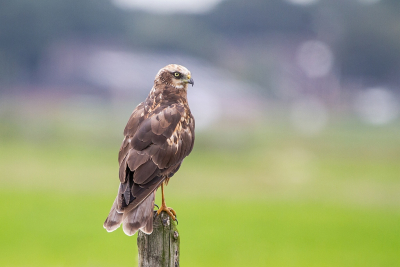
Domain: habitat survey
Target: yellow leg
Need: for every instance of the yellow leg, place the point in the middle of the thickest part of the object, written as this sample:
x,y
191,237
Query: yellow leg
x,y
164,207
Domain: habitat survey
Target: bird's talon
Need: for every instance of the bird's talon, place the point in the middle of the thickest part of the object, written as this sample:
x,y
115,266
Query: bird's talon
x,y
172,211
169,211
156,206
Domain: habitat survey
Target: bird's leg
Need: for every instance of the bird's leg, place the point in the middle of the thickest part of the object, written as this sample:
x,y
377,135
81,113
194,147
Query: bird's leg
x,y
164,207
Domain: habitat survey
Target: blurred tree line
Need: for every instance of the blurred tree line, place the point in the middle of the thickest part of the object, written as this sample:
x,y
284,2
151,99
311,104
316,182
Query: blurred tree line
x,y
365,37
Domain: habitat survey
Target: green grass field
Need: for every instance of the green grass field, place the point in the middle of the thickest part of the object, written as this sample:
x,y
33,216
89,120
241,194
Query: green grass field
x,y
244,198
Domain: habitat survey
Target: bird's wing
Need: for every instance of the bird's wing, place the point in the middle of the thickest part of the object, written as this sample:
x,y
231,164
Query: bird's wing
x,y
151,145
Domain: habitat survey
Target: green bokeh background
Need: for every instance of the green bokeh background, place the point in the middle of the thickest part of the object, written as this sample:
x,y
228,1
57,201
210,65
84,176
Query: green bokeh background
x,y
256,190
256,197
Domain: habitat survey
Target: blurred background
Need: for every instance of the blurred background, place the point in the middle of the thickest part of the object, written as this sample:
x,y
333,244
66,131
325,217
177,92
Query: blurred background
x,y
296,159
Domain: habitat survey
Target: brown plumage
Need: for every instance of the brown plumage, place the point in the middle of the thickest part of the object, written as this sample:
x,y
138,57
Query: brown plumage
x,y
158,136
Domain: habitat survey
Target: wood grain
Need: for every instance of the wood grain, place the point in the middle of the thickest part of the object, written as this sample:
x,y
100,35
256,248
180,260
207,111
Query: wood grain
x,y
161,248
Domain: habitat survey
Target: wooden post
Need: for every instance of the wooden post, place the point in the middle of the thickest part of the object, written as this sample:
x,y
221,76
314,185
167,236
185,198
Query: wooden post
x,y
161,248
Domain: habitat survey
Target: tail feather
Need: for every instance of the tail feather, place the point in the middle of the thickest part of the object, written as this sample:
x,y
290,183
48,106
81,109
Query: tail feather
x,y
140,218
148,228
114,219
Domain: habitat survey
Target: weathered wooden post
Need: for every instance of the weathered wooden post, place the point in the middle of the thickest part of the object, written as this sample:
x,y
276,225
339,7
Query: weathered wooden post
x,y
161,248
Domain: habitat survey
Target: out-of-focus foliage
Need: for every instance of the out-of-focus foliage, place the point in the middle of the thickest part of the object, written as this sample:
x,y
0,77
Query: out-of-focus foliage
x,y
365,38
247,197
27,28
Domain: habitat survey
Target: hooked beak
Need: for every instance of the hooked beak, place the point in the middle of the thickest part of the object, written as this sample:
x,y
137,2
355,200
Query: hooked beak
x,y
189,80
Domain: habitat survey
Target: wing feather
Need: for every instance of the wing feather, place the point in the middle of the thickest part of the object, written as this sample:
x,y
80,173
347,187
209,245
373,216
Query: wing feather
x,y
145,172
159,143
169,153
136,159
122,170
135,119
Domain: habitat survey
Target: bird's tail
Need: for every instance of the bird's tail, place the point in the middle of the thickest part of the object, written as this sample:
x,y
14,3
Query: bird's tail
x,y
140,217
114,218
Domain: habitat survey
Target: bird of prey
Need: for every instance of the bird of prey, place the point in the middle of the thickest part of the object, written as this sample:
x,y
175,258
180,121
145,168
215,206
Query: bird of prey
x,y
158,136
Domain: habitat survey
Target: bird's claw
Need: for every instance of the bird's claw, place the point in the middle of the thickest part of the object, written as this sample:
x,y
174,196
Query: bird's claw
x,y
156,206
169,211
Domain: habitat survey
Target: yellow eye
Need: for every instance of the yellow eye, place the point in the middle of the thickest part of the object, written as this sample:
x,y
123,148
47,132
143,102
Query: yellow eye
x,y
176,74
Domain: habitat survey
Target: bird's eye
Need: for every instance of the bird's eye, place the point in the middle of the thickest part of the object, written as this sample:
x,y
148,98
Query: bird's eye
x,y
177,74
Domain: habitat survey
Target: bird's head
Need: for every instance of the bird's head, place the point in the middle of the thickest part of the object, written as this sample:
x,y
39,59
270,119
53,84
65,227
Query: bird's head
x,y
175,75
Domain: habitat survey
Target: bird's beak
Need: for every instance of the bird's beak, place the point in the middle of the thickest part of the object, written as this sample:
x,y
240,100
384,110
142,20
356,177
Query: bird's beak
x,y
189,80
